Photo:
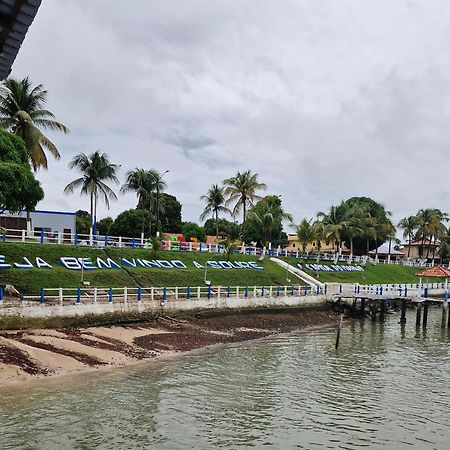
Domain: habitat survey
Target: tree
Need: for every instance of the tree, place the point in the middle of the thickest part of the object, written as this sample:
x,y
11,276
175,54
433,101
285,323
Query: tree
x,y
83,222
265,220
19,190
104,225
129,223
22,112
226,227
334,222
241,190
170,215
431,226
306,233
409,225
143,182
191,229
97,170
215,204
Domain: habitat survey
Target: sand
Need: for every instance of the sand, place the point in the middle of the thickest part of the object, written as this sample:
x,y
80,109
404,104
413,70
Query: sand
x,y
32,354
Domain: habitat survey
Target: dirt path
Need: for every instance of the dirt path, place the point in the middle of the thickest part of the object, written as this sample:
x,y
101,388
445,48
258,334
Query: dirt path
x,y
32,354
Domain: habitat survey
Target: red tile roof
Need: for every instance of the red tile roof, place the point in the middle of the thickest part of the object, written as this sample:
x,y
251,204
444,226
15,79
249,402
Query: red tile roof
x,y
435,271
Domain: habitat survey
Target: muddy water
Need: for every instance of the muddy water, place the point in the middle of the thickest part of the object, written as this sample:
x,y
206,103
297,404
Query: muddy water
x,y
384,388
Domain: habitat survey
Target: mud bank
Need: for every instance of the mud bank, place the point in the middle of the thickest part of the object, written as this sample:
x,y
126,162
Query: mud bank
x,y
31,354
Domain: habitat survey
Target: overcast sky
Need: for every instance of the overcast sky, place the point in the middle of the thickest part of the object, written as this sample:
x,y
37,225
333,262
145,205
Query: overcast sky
x,y
324,99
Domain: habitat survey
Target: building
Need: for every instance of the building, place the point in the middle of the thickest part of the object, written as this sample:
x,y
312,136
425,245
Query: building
x,y
383,253
50,222
295,246
421,249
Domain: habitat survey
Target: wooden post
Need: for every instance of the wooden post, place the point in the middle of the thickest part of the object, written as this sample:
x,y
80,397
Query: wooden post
x,y
373,308
444,316
418,314
403,316
363,306
338,336
425,314
382,309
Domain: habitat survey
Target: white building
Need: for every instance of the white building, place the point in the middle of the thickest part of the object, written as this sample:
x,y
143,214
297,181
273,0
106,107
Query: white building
x,y
51,222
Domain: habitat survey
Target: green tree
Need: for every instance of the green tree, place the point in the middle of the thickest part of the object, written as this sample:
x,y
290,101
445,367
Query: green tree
x,y
19,190
241,190
335,222
215,204
306,233
431,226
170,215
97,170
103,226
129,223
265,220
22,112
227,228
83,222
191,229
143,182
409,225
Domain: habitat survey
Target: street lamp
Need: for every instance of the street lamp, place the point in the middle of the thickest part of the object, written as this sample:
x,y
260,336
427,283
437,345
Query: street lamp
x,y
158,180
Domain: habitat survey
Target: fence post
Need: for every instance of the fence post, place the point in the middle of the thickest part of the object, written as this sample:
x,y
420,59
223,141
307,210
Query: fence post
x,y
1,294
61,298
209,292
278,291
176,292
106,241
285,291
218,292
164,294
125,294
255,292
228,291
199,293
75,239
42,237
326,288
4,236
340,289
59,237
42,296
95,295
271,291
292,291
120,241
110,295
78,295
23,235
152,293
188,293
133,243
139,294
237,291
262,291
246,291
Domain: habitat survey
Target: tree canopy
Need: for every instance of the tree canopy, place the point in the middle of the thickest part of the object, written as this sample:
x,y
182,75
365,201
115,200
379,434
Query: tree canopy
x,y
19,190
129,223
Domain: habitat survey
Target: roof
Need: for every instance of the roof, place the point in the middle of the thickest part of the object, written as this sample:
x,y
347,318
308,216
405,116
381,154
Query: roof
x,y
435,271
16,16
384,250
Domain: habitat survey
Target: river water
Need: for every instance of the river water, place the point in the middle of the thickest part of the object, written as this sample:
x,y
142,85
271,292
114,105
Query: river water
x,y
384,388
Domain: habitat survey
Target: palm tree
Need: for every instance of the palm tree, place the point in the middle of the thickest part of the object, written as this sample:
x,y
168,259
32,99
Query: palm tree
x,y
430,226
143,182
241,190
409,225
335,223
306,233
22,112
96,169
215,203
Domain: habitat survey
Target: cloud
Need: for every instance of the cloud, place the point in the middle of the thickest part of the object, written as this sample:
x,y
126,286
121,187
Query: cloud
x,y
324,100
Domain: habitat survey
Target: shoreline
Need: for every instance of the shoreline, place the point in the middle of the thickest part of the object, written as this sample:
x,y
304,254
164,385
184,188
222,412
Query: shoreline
x,y
31,355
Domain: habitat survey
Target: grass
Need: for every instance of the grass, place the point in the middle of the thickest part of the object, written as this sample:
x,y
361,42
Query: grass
x,y
373,274
29,282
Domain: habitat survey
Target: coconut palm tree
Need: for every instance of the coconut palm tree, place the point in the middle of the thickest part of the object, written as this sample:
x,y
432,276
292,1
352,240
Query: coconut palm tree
x,y
144,183
409,225
97,170
215,203
241,190
306,233
22,112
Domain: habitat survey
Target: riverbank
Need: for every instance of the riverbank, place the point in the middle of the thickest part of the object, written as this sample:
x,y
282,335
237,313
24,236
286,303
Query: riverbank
x,y
31,354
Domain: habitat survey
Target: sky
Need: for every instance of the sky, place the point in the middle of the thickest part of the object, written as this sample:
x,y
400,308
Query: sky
x,y
323,99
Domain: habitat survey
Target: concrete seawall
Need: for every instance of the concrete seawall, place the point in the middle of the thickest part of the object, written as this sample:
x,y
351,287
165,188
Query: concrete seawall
x,y
57,310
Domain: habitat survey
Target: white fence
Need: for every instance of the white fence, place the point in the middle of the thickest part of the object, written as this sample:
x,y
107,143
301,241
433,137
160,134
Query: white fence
x,y
162,294
60,238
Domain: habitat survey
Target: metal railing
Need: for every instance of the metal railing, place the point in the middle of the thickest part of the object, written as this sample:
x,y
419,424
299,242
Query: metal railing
x,y
100,241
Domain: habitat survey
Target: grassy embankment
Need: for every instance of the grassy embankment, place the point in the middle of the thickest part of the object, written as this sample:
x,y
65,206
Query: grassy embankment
x,y
372,274
30,281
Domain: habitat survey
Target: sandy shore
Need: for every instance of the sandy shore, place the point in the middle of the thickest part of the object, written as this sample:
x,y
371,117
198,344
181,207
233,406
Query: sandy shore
x,y
31,354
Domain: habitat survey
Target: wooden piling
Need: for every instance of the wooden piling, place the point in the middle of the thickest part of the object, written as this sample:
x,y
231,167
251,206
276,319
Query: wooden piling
x,y
418,314
444,316
373,310
363,307
425,313
403,316
382,309
338,336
